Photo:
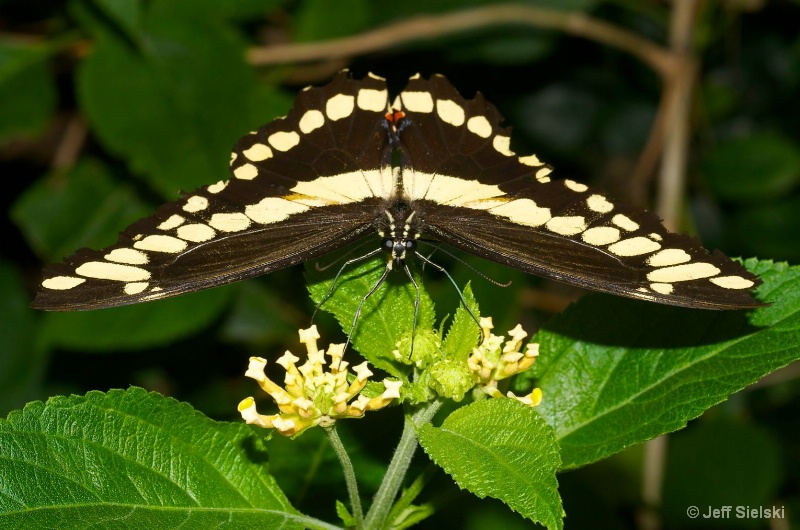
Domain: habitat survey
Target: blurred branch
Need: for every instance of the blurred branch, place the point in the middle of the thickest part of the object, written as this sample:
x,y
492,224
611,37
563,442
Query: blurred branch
x,y
676,105
71,143
425,27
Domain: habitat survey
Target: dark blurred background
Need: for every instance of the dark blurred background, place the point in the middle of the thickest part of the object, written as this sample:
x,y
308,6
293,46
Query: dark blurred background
x,y
109,108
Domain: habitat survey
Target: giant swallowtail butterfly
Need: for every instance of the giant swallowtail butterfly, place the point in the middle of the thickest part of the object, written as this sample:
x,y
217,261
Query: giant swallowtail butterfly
x,y
350,160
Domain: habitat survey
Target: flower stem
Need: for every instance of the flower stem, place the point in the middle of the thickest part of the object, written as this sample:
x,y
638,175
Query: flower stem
x,y
395,473
349,475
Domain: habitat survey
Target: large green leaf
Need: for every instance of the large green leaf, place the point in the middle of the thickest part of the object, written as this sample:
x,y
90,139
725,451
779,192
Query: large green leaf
x,y
25,80
134,326
174,100
616,372
759,166
80,207
503,449
132,459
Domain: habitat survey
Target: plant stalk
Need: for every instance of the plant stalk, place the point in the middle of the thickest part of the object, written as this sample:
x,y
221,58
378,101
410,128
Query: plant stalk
x,y
349,475
396,472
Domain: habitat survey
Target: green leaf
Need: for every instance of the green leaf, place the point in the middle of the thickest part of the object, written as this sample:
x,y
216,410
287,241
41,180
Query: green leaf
x,y
126,13
25,79
503,449
134,326
464,333
214,9
323,19
80,207
385,316
616,372
21,362
173,103
258,315
757,167
769,228
132,459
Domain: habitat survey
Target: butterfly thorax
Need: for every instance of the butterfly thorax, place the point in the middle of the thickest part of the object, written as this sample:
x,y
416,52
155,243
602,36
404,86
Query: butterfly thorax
x,y
398,231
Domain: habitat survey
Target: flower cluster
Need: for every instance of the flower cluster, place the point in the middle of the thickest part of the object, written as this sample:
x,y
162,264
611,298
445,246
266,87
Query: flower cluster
x,y
310,395
492,361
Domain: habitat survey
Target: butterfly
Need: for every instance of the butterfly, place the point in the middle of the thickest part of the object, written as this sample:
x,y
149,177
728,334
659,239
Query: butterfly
x,y
349,161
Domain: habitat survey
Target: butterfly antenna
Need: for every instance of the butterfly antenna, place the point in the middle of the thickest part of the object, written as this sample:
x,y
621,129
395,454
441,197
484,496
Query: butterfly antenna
x,y
458,259
364,299
336,278
460,294
416,308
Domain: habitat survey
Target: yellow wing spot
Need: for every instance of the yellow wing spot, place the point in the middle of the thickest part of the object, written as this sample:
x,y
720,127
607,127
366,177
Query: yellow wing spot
x,y
245,172
339,106
567,226
62,283
524,212
662,288
682,273
575,186
502,145
311,121
601,235
732,282
450,112
102,270
480,125
542,174
218,187
229,222
530,160
417,101
635,246
196,233
273,210
195,203
135,287
173,222
233,157
284,140
127,255
258,153
372,100
668,256
625,222
159,243
598,203
654,236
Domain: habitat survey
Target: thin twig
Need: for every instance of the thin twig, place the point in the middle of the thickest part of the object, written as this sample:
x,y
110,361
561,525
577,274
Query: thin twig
x,y
680,86
426,27
71,143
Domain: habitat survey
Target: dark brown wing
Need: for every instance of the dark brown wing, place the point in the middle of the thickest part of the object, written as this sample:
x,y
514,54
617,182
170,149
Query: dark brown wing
x,y
471,191
301,186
